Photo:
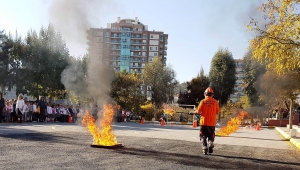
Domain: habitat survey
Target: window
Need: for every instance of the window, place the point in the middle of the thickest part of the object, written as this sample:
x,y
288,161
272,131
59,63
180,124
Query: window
x,y
161,37
153,48
143,47
154,36
143,53
98,39
144,42
144,35
153,42
126,46
107,34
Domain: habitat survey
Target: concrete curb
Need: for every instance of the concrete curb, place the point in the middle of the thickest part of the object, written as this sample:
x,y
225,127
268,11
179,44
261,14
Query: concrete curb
x,y
288,137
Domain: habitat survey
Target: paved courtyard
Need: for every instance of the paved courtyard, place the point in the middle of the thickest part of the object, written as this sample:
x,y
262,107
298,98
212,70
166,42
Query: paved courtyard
x,y
148,146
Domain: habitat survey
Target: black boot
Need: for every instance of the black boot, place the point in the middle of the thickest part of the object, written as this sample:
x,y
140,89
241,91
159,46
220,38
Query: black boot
x,y
210,150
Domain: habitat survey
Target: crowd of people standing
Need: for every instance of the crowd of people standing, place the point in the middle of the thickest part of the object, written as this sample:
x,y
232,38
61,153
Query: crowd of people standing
x,y
22,110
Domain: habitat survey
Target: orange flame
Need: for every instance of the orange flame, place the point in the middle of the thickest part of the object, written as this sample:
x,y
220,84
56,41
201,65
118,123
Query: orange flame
x,y
103,135
168,109
232,125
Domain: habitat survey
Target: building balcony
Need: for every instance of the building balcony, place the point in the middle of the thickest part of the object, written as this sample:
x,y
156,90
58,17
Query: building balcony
x,y
136,37
135,55
165,52
166,47
115,59
127,29
115,42
135,60
136,66
166,42
135,49
135,43
116,36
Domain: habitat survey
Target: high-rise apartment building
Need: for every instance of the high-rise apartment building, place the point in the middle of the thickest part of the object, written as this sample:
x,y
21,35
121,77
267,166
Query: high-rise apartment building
x,y
127,44
238,87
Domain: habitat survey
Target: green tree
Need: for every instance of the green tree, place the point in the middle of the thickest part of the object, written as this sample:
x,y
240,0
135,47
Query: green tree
x,y
126,90
195,90
42,61
6,75
253,70
162,81
16,78
222,75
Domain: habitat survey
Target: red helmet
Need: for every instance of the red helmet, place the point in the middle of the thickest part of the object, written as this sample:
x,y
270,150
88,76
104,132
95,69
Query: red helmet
x,y
208,91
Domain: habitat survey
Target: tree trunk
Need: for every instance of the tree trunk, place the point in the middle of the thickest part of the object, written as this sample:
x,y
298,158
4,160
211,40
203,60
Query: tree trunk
x,y
291,114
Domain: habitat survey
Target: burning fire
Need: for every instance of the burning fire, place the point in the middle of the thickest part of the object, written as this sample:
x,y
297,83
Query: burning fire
x,y
168,110
232,125
103,135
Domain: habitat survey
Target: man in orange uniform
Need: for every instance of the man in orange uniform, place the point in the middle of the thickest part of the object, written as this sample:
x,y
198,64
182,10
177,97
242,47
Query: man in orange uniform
x,y
208,109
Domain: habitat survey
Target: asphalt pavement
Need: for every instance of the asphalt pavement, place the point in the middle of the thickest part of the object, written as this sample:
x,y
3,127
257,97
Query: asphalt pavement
x,y
147,146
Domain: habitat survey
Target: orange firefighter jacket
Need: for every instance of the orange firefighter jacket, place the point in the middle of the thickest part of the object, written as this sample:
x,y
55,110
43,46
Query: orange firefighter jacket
x,y
209,108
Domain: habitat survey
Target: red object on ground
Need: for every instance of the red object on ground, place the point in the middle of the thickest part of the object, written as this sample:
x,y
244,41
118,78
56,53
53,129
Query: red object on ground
x,y
195,124
258,126
70,119
162,122
143,121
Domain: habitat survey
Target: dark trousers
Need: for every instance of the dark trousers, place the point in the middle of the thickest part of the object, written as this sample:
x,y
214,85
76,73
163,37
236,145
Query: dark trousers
x,y
20,116
13,117
2,116
42,115
35,116
65,118
207,136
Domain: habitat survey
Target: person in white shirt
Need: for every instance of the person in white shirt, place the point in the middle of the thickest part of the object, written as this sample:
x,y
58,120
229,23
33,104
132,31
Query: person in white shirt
x,y
19,108
74,113
63,113
35,115
30,113
49,112
25,111
8,111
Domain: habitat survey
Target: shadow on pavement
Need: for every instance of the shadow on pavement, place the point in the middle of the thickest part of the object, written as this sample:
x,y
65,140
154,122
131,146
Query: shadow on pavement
x,y
255,138
258,160
207,161
31,135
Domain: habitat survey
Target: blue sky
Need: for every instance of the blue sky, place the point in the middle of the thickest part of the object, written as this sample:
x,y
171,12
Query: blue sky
x,y
196,28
